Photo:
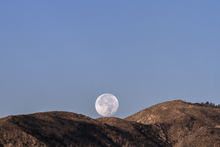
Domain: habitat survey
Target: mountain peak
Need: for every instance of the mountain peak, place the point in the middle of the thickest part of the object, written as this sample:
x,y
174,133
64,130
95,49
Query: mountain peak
x,y
183,122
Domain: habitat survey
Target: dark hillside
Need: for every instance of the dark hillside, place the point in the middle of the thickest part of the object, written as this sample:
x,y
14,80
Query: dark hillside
x,y
150,135
69,129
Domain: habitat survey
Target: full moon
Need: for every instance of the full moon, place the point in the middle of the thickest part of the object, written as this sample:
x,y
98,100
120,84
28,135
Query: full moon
x,y
106,104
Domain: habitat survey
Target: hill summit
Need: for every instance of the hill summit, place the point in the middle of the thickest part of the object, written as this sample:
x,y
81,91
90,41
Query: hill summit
x,y
173,123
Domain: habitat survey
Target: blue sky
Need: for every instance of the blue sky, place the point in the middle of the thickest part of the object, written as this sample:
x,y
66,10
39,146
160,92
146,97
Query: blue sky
x,y
61,55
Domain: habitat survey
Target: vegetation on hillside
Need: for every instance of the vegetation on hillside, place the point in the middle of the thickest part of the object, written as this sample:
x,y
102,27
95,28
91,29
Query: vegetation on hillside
x,y
207,104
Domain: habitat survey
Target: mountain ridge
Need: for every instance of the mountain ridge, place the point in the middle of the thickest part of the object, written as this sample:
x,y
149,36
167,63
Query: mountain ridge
x,y
172,123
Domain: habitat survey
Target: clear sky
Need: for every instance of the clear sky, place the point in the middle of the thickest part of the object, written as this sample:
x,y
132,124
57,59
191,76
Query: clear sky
x,y
61,55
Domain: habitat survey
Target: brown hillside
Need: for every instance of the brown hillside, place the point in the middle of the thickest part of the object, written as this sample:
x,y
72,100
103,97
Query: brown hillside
x,y
139,131
65,129
175,123
186,124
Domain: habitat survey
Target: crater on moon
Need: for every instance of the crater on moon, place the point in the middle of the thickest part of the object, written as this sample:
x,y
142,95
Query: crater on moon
x,y
106,104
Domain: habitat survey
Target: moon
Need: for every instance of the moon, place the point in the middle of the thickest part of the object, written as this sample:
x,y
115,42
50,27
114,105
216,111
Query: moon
x,y
106,104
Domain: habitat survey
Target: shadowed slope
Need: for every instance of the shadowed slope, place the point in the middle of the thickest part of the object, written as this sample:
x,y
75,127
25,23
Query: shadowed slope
x,y
148,135
68,129
49,129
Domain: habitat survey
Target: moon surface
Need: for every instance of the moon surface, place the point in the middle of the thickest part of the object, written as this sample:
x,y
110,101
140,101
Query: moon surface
x,y
106,104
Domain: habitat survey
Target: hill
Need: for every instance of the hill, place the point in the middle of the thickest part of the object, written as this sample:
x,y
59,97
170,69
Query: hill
x,y
66,129
184,123
174,123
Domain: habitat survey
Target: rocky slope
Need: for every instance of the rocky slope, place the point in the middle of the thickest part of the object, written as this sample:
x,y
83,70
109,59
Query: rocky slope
x,y
175,123
65,129
184,123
